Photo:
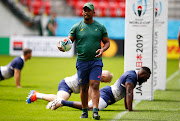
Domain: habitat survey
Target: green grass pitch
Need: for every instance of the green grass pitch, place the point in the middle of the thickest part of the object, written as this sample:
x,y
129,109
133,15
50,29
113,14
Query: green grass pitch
x,y
44,74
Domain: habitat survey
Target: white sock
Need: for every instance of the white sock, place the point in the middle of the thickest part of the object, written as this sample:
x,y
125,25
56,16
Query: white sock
x,y
39,95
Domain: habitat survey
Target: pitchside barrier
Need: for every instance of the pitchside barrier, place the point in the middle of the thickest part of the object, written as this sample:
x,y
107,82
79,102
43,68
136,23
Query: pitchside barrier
x,y
160,44
41,46
146,21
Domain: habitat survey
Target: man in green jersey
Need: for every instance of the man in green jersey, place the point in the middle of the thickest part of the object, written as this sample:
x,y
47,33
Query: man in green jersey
x,y
88,35
52,25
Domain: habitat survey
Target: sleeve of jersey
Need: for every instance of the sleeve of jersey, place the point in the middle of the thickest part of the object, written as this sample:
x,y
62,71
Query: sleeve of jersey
x,y
130,79
72,32
105,34
19,65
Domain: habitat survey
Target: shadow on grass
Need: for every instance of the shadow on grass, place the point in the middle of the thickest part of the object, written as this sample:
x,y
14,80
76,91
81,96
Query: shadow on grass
x,y
7,86
16,87
113,110
12,100
134,119
156,111
161,100
178,90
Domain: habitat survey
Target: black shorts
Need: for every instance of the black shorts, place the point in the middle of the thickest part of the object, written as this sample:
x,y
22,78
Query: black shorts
x,y
1,77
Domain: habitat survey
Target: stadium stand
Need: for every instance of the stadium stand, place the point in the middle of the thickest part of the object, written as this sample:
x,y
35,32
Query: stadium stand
x,y
32,12
173,9
104,8
37,7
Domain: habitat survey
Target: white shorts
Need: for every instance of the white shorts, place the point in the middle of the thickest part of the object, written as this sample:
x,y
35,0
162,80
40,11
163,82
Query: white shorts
x,y
102,104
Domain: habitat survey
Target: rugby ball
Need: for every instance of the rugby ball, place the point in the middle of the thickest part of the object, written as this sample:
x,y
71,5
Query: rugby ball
x,y
65,44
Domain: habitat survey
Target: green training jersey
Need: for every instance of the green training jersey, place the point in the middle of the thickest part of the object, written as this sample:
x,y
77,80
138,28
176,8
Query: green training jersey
x,y
88,39
53,22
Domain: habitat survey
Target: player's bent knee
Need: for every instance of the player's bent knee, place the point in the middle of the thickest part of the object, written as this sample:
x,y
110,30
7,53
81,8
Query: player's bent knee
x,y
63,95
95,85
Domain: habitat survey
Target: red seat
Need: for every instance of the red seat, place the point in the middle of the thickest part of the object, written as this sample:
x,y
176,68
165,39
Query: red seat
x,y
73,3
40,2
78,11
121,5
70,2
122,13
36,6
113,6
23,2
96,4
79,4
47,7
95,0
28,3
103,8
112,12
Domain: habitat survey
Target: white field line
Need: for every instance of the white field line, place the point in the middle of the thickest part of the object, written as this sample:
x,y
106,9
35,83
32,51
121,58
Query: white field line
x,y
172,76
121,114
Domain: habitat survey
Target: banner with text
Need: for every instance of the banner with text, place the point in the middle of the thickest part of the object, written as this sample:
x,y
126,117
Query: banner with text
x,y
160,44
173,49
138,42
41,46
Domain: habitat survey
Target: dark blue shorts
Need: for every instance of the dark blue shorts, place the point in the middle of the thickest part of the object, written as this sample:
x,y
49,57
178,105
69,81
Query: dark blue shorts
x,y
89,70
1,77
107,95
63,86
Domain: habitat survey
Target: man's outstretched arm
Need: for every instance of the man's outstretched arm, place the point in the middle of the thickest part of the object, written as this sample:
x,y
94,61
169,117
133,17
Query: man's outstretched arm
x,y
17,76
129,95
125,104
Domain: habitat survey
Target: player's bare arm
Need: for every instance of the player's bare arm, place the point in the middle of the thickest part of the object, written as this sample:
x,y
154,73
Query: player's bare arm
x,y
125,104
71,38
129,95
106,43
17,76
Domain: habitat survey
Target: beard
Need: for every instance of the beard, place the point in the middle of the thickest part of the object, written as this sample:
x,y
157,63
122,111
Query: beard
x,y
29,57
140,81
86,19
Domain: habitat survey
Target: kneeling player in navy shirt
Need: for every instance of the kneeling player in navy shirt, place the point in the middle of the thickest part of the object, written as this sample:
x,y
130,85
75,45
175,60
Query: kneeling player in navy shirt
x,y
15,66
122,88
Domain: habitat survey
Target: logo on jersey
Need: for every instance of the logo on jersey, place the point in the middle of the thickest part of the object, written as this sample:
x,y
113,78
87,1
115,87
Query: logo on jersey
x,y
96,29
158,8
140,7
80,81
82,29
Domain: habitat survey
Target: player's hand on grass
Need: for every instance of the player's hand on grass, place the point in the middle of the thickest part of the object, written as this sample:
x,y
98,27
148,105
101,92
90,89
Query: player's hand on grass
x,y
100,51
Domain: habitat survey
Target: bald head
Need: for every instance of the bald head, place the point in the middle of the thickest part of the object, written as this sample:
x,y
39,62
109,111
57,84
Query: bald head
x,y
106,76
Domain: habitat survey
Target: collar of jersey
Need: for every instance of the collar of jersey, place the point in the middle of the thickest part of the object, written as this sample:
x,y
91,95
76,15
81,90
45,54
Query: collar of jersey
x,y
22,57
136,73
